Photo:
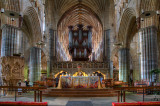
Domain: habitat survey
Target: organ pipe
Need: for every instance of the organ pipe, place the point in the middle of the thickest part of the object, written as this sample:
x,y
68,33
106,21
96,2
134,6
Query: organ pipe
x,y
80,43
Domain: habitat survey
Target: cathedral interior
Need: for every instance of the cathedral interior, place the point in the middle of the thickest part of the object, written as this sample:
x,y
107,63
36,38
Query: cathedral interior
x,y
54,43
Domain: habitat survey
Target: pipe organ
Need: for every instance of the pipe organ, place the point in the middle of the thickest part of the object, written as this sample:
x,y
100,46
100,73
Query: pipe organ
x,y
80,43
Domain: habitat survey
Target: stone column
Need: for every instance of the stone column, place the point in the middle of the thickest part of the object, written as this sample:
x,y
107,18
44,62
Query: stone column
x,y
11,41
52,50
124,65
106,50
1,81
111,69
106,40
11,63
48,67
148,49
35,64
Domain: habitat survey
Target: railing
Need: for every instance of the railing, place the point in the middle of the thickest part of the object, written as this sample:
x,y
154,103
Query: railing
x,y
15,89
121,91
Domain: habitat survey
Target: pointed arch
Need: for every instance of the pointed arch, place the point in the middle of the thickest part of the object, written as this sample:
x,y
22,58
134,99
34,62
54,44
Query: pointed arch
x,y
31,23
128,23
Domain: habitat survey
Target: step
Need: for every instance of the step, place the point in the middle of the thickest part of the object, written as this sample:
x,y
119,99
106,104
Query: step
x,y
80,92
80,95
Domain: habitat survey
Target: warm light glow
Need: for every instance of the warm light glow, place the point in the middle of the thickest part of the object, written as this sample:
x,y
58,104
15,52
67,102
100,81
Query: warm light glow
x,y
76,73
59,73
104,75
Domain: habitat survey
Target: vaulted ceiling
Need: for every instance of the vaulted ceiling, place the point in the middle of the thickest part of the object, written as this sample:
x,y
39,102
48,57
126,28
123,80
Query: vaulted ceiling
x,y
64,13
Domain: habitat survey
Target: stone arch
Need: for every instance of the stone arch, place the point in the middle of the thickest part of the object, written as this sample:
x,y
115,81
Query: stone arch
x,y
111,15
128,23
31,24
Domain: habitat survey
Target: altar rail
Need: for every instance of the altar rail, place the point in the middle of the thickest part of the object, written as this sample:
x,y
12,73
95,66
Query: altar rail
x,y
83,65
15,89
121,91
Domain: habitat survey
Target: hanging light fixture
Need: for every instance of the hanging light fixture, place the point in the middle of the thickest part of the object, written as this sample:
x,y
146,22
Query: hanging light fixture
x,y
12,14
158,12
2,10
148,14
9,13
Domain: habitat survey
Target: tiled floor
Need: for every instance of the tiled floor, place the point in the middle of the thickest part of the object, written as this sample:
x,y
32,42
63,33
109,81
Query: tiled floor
x,y
81,101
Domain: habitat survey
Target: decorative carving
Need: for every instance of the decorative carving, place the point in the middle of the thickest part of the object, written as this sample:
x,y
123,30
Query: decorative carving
x,y
87,67
12,70
6,70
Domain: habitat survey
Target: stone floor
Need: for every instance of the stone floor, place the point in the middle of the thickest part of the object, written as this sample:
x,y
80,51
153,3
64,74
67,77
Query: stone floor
x,y
81,101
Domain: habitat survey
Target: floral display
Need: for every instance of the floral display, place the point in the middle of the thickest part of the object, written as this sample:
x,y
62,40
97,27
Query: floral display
x,y
66,82
79,81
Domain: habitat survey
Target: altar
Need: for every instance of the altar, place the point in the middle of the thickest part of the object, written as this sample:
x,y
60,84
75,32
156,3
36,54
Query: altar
x,y
79,82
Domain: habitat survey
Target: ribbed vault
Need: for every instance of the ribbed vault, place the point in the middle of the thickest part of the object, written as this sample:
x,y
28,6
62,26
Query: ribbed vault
x,y
77,14
128,23
62,5
32,24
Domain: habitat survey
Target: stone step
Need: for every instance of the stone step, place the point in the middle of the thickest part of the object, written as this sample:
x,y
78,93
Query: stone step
x,y
71,89
80,92
80,95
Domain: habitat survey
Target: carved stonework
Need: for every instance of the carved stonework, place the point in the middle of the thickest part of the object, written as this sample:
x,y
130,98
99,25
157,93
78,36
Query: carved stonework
x,y
87,67
12,70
